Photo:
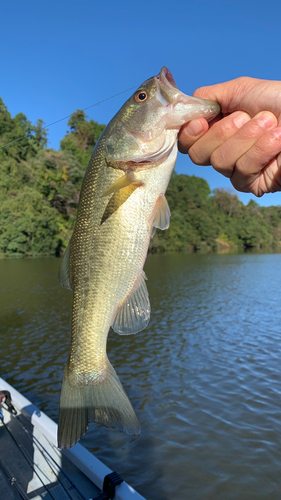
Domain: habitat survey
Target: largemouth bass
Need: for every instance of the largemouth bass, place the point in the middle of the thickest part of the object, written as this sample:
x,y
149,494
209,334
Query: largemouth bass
x,y
122,202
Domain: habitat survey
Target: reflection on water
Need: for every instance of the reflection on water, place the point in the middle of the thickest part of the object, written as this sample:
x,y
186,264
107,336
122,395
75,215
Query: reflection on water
x,y
204,378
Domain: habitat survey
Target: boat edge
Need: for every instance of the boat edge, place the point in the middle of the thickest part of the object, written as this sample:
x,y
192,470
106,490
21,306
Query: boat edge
x,y
91,466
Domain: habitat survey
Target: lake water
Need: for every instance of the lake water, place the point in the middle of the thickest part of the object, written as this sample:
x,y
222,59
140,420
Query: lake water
x,y
204,377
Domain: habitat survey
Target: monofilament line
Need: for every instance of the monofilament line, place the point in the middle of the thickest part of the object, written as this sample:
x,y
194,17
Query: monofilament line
x,y
65,118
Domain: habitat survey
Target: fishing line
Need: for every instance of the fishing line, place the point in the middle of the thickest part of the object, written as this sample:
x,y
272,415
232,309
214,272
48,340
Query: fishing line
x,y
65,118
13,482
29,460
43,451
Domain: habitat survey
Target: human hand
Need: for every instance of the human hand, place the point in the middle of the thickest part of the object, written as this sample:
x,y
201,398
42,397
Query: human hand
x,y
244,142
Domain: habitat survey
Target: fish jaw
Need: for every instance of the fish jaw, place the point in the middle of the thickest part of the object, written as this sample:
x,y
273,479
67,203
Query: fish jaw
x,y
182,107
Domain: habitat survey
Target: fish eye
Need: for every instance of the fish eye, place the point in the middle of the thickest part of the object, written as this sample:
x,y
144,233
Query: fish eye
x,y
141,96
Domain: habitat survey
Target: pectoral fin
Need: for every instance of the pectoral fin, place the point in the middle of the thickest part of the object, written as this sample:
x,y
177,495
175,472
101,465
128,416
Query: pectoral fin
x,y
161,214
117,200
124,181
64,272
134,314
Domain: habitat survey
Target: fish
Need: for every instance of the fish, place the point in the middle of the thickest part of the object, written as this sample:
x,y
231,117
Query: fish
x,y
122,202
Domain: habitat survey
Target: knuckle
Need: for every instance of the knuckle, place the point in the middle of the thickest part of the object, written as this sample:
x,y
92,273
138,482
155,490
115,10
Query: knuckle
x,y
236,185
224,129
259,152
274,140
202,92
250,132
243,80
264,149
240,182
218,161
184,143
196,156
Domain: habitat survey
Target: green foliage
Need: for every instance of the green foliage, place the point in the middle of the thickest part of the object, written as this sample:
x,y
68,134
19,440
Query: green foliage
x,y
12,129
82,138
191,227
40,187
202,221
29,226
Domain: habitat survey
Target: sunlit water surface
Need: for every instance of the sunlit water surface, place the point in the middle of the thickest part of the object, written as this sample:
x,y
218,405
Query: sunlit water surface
x,y
204,378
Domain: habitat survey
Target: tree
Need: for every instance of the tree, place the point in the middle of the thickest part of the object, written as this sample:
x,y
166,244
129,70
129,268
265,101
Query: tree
x,y
40,188
82,137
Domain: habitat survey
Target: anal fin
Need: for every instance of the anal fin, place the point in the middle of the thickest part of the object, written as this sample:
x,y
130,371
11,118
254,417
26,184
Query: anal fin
x,y
134,314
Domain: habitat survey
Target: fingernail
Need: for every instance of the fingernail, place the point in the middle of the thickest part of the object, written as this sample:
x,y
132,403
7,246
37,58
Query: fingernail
x,y
266,120
194,128
241,119
277,133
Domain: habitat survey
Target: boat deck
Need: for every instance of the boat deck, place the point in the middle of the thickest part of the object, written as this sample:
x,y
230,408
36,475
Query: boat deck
x,y
32,468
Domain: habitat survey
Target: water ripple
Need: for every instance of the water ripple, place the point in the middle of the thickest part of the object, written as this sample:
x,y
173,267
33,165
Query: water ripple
x,y
204,378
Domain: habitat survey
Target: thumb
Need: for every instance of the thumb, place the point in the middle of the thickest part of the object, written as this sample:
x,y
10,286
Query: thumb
x,y
231,95
190,133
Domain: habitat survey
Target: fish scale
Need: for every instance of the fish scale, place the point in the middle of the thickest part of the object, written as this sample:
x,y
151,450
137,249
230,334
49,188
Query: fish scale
x,y
121,202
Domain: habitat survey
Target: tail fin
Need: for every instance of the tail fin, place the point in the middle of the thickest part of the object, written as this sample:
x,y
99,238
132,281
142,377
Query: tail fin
x,y
103,401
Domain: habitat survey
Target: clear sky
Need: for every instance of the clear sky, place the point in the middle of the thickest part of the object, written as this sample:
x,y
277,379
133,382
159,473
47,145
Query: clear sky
x,y
58,56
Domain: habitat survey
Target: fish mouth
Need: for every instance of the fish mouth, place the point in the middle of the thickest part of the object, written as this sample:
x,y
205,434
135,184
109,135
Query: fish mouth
x,y
165,77
183,108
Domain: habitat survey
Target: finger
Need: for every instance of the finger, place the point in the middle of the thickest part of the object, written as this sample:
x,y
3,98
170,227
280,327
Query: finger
x,y
190,133
229,94
201,151
224,158
258,170
251,95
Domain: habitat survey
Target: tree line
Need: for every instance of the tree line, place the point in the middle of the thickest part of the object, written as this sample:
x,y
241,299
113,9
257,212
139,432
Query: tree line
x,y
40,187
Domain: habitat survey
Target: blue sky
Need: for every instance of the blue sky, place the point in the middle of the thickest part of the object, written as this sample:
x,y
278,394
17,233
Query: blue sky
x,y
58,56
